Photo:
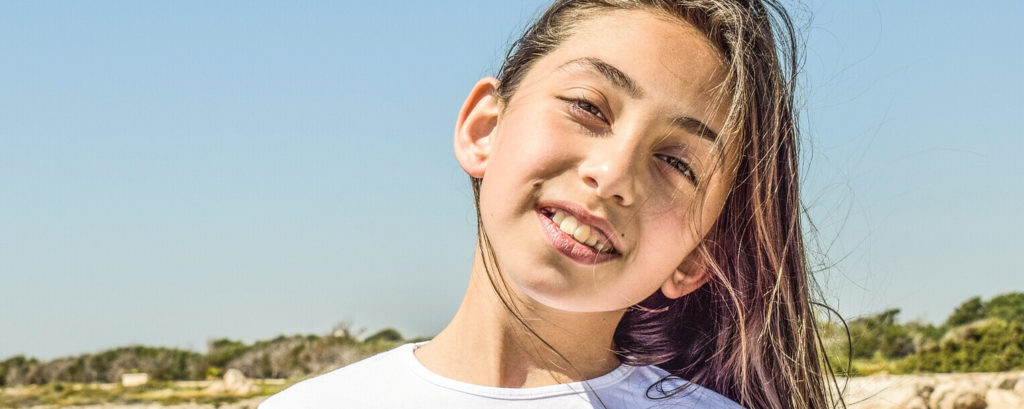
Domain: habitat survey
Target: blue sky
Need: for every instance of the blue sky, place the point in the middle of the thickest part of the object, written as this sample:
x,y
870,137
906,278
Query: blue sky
x,y
179,171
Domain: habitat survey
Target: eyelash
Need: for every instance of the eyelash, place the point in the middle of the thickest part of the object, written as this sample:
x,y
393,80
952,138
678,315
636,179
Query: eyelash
x,y
681,166
583,107
594,110
580,107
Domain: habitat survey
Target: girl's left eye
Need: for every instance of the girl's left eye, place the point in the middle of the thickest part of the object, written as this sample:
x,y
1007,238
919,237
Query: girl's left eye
x,y
681,166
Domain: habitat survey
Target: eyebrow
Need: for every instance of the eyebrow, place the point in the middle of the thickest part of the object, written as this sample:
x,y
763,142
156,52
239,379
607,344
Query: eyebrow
x,y
615,75
624,82
695,127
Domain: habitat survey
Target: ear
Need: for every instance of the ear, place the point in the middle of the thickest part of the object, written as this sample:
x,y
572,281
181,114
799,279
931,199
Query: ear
x,y
688,277
475,127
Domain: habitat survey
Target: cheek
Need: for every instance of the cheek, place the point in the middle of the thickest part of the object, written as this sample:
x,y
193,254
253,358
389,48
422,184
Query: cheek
x,y
714,201
524,154
670,237
692,210
532,146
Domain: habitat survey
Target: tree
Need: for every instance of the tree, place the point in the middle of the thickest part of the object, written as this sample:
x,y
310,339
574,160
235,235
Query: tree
x,y
968,312
386,334
221,351
879,334
1009,307
990,345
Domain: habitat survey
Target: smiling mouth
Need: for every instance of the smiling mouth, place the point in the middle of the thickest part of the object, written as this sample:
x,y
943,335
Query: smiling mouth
x,y
585,235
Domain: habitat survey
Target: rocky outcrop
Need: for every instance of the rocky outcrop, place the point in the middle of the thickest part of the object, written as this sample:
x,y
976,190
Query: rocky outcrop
x,y
1004,390
234,383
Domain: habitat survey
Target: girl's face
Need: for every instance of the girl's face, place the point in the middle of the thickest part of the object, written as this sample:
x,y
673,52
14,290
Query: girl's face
x,y
614,129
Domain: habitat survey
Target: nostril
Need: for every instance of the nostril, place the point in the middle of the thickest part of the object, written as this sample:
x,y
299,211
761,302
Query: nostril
x,y
591,182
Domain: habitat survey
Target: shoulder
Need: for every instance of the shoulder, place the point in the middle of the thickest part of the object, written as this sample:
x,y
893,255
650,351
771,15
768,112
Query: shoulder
x,y
344,386
657,384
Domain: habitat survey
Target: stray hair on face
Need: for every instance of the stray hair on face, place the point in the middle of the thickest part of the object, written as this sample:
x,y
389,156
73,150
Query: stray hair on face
x,y
750,333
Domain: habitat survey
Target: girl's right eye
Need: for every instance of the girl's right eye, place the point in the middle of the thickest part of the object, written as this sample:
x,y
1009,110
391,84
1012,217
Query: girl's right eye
x,y
584,108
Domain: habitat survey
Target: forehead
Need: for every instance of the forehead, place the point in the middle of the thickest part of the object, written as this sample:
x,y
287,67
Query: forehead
x,y
670,59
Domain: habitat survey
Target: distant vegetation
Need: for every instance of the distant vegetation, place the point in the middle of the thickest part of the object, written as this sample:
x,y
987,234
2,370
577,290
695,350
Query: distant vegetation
x,y
980,336
282,357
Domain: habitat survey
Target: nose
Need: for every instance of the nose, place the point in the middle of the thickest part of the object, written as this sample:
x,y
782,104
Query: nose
x,y
608,169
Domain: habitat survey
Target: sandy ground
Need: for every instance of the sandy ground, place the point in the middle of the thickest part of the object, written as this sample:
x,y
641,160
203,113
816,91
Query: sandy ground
x,y
1003,390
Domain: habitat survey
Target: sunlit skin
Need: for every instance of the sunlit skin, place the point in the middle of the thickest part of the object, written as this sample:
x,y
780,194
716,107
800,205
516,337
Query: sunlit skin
x,y
631,151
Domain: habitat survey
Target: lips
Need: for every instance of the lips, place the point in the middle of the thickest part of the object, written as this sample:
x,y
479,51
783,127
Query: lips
x,y
585,234
578,234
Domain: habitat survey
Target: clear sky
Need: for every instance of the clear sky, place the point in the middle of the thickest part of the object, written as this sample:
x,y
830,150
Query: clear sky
x,y
172,172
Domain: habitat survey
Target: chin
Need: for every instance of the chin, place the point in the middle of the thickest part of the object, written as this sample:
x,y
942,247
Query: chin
x,y
564,298
537,280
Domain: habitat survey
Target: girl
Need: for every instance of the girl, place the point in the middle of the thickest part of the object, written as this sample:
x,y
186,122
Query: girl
x,y
639,241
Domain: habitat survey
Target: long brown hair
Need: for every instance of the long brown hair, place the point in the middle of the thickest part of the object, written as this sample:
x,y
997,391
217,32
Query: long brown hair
x,y
750,333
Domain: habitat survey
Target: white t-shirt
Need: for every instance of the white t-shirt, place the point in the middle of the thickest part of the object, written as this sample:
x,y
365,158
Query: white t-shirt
x,y
396,379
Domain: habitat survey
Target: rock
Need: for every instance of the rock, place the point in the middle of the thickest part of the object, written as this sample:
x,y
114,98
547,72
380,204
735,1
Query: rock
x,y
134,379
1003,390
926,392
1007,383
1003,399
958,394
915,402
237,383
234,383
885,393
970,400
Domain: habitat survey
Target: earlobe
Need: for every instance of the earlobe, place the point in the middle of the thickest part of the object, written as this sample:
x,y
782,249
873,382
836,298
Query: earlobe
x,y
475,127
687,278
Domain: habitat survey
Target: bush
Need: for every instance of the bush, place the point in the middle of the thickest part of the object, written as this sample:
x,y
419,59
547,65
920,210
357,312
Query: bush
x,y
386,334
19,370
991,345
879,334
968,311
282,357
1009,307
221,351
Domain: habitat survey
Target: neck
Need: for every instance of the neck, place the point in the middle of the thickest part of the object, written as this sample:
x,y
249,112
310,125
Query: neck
x,y
486,345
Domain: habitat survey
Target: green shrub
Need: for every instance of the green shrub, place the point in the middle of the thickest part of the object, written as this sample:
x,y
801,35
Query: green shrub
x,y
991,345
386,335
1009,307
213,372
880,335
967,312
221,351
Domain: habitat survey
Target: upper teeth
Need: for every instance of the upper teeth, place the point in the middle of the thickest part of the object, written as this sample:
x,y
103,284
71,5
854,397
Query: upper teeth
x,y
580,232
